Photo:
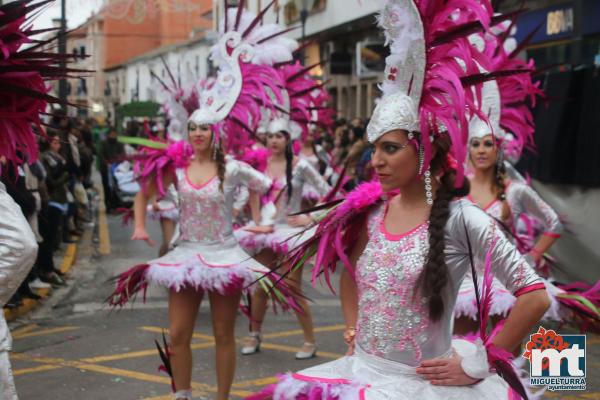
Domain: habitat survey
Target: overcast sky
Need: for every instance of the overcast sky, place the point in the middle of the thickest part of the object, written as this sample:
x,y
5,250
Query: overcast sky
x,y
77,12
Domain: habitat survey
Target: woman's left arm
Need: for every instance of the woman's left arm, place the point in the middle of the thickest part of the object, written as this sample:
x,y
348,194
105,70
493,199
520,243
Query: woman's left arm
x,y
311,176
532,204
489,244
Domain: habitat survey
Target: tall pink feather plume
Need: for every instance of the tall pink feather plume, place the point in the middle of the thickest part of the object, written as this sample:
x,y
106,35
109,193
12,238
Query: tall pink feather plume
x,y
304,102
23,93
518,93
444,99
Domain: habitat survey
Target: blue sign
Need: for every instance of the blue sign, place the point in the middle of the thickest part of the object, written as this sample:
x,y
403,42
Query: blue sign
x,y
590,20
555,23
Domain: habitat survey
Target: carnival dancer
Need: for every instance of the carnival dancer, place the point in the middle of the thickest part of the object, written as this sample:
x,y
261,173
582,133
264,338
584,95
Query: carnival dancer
x,y
318,158
511,202
278,231
406,254
18,247
24,73
206,257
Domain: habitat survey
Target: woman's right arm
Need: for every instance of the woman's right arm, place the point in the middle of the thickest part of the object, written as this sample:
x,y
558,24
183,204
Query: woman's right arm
x,y
140,205
349,292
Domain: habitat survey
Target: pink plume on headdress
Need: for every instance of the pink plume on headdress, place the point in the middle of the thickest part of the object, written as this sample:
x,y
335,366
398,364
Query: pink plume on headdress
x,y
444,98
261,87
518,93
308,98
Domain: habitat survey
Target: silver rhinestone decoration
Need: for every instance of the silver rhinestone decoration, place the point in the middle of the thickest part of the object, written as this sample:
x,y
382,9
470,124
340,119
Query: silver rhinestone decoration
x,y
428,188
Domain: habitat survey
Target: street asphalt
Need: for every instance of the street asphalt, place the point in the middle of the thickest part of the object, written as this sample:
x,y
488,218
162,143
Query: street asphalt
x,y
75,348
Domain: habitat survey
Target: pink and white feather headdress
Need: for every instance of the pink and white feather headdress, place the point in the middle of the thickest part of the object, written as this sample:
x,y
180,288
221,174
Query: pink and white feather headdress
x,y
247,81
427,88
509,98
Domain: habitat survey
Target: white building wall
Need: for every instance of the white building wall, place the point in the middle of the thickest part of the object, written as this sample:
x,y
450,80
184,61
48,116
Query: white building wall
x,y
336,12
186,63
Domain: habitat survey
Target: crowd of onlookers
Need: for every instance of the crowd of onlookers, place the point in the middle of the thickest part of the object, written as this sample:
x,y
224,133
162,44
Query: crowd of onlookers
x,y
54,194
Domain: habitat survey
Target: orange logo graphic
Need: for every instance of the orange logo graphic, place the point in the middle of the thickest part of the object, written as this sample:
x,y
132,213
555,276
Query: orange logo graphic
x,y
545,339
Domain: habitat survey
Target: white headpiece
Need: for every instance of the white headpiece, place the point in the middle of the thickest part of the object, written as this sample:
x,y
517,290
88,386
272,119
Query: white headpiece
x,y
283,124
405,70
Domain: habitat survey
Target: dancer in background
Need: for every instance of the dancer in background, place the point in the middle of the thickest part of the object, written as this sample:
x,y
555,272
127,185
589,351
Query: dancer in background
x,y
206,258
279,232
511,202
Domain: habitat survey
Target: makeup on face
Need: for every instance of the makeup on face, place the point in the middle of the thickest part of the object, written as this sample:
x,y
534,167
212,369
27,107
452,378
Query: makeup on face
x,y
393,165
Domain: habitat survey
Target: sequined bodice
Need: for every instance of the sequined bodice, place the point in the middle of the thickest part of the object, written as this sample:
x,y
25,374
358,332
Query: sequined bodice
x,y
206,212
392,323
202,211
393,320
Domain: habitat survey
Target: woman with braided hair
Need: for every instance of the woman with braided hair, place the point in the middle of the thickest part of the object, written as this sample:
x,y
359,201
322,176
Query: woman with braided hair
x,y
408,239
278,232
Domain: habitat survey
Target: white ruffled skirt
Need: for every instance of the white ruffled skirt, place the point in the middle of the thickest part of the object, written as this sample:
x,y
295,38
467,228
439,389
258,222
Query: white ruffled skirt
x,y
283,239
366,377
221,267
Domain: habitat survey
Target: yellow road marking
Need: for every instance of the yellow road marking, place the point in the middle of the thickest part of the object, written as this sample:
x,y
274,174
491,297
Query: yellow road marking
x,y
165,397
24,371
121,373
48,331
296,332
138,354
103,234
69,258
157,329
23,329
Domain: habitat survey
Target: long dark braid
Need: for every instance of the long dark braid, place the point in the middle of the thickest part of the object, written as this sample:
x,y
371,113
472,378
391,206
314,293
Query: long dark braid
x,y
289,164
434,278
220,160
500,184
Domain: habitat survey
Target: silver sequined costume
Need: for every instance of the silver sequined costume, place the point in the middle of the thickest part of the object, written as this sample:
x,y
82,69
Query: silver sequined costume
x,y
394,331
18,249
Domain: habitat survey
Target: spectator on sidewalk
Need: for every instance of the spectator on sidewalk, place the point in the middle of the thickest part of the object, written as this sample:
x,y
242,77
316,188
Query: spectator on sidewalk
x,y
110,151
57,180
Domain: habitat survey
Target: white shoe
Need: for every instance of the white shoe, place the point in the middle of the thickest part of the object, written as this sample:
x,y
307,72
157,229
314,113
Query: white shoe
x,y
252,343
309,350
183,395
38,284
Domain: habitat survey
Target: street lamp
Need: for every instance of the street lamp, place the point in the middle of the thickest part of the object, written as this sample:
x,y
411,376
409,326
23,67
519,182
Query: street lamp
x,y
62,48
303,18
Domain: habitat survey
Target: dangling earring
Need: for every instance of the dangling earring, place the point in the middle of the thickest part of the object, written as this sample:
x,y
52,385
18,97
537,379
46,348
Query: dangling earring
x,y
426,176
428,192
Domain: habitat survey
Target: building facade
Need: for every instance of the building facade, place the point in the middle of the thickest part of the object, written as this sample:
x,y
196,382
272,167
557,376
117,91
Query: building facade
x,y
133,80
341,32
